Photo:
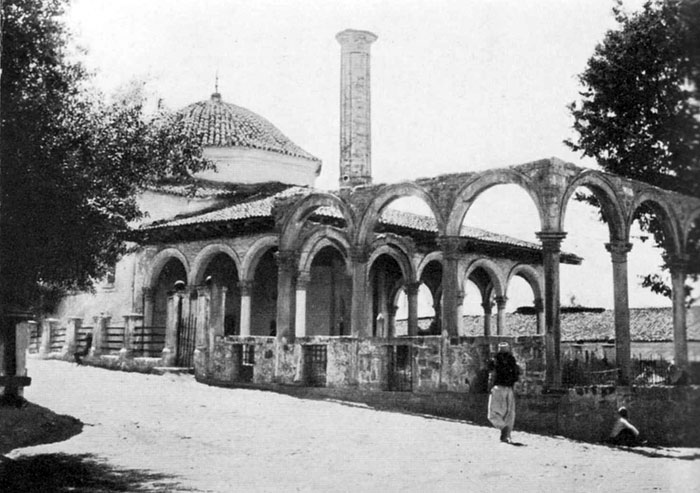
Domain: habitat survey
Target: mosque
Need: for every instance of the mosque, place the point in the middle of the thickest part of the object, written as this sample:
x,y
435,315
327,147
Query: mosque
x,y
258,278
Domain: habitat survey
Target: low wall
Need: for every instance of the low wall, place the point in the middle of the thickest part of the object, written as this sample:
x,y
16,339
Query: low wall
x,y
449,378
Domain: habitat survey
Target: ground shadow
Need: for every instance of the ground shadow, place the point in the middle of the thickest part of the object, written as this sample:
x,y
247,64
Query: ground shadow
x,y
656,452
80,473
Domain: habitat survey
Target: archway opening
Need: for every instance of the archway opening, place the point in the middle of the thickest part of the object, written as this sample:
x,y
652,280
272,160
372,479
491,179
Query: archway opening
x,y
478,303
328,295
263,302
428,316
384,275
172,272
221,272
521,312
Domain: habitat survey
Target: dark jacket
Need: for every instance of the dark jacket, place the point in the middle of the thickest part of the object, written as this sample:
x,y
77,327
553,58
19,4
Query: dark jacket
x,y
505,368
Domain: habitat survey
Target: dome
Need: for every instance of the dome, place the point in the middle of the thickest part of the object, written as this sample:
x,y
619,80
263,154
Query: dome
x,y
223,124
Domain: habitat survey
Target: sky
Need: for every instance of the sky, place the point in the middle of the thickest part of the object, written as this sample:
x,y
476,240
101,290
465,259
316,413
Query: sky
x,y
456,86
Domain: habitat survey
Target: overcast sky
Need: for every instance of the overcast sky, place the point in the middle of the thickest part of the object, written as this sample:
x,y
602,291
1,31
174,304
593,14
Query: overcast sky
x,y
456,86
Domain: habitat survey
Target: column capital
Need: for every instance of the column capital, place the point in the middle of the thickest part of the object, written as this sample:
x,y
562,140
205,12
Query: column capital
x,y
245,287
149,293
459,297
501,302
412,288
450,246
538,304
303,280
551,240
287,260
359,254
487,305
678,263
618,250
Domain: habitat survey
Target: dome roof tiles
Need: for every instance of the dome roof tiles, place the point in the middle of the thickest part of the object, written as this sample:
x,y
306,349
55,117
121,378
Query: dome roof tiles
x,y
221,124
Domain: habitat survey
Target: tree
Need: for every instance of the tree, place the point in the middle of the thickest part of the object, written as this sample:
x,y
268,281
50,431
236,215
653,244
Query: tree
x,y
639,113
71,162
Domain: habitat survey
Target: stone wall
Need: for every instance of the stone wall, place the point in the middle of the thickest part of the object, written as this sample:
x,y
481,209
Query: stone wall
x,y
449,378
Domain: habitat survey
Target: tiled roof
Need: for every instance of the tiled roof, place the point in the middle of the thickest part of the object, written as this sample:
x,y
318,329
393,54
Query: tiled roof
x,y
426,223
259,205
646,325
223,124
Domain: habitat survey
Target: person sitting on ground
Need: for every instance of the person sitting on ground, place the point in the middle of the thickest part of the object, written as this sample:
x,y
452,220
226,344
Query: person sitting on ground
x,y
623,432
82,352
676,375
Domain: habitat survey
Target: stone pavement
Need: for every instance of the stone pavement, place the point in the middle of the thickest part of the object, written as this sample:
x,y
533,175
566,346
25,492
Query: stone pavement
x,y
175,434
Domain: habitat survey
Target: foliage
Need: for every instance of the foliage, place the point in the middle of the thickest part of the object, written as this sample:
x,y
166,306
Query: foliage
x,y
71,162
639,113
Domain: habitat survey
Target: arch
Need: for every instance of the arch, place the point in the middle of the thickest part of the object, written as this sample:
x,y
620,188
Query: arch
x,y
388,194
398,253
689,225
609,200
299,211
491,268
159,261
205,255
480,183
252,256
322,237
431,257
669,221
530,274
396,250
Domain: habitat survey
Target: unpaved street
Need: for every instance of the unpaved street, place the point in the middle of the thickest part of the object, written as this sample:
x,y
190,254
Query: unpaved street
x,y
213,439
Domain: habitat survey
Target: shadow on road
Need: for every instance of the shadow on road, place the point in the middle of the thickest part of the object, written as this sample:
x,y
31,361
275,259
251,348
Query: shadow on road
x,y
83,473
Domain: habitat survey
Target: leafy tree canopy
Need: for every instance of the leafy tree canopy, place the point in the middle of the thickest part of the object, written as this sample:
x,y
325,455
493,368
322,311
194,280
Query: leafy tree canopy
x,y
639,112
71,163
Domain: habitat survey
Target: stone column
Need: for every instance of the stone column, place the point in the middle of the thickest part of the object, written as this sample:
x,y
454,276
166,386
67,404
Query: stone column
x,y
623,344
355,121
382,308
487,305
539,311
460,312
73,327
287,261
361,315
246,288
174,311
392,320
300,318
412,295
450,246
678,266
131,322
501,315
149,297
551,252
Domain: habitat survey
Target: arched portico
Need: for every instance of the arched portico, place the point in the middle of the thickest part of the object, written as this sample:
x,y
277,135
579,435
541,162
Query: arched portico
x,y
293,221
610,203
385,196
478,184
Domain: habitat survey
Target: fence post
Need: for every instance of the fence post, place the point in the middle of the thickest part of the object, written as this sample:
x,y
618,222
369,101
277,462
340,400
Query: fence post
x,y
131,321
99,332
45,344
71,343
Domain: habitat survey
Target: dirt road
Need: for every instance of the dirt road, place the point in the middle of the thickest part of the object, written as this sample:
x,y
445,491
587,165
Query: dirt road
x,y
166,433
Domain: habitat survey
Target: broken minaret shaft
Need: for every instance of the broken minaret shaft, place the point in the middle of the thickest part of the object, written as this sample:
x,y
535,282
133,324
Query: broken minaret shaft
x,y
355,118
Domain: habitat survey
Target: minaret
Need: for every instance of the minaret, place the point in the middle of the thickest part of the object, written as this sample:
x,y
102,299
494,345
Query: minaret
x,y
355,118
